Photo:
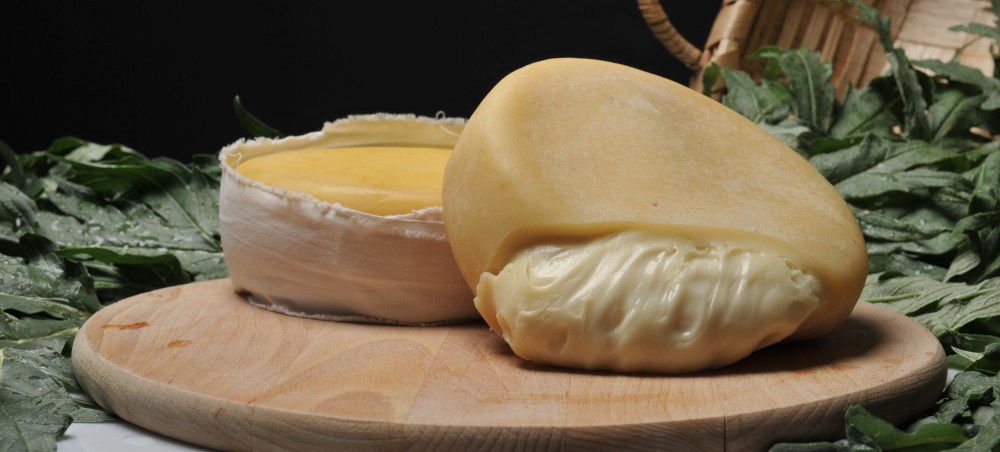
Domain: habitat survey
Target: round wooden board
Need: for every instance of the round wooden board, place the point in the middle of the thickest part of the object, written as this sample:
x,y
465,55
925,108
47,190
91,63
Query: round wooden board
x,y
198,363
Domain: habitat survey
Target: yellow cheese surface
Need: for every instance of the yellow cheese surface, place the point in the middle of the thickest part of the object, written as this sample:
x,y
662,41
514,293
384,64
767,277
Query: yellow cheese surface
x,y
565,151
375,180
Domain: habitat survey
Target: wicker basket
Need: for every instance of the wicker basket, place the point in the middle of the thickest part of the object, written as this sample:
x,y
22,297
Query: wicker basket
x,y
920,27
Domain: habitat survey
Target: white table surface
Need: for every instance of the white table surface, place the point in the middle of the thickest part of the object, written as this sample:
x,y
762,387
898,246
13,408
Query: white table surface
x,y
118,436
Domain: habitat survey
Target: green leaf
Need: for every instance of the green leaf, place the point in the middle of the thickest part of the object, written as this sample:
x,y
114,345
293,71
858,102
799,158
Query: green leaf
x,y
864,428
990,269
710,76
209,166
910,295
880,226
254,126
36,403
965,384
965,262
913,156
866,432
904,265
979,29
952,114
141,225
38,271
29,330
174,192
839,165
911,85
826,144
874,109
981,232
988,362
767,102
877,155
143,272
938,245
954,72
987,439
986,194
95,153
873,186
812,95
839,446
793,134
91,224
17,210
16,172
35,305
961,305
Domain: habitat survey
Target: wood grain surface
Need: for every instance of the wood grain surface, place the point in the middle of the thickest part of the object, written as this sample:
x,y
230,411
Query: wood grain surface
x,y
199,364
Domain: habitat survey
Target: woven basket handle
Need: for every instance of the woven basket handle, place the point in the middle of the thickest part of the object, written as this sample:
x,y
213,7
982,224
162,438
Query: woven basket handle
x,y
661,27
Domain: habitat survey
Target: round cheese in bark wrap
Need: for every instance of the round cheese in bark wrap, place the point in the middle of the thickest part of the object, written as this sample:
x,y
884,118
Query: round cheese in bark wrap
x,y
294,253
608,218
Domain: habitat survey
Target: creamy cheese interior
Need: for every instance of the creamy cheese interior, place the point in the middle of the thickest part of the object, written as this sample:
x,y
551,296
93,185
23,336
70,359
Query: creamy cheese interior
x,y
640,300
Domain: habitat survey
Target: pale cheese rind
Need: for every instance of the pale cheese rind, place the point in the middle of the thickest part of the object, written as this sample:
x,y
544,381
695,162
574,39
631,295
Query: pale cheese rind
x,y
292,253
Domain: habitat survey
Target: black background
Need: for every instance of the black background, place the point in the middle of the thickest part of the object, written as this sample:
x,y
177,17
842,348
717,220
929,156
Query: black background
x,y
160,77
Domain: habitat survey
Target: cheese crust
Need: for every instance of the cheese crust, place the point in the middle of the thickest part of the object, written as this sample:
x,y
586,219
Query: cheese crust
x,y
296,254
577,149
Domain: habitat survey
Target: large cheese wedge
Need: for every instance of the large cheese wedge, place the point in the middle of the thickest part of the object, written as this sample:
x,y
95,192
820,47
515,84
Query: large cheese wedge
x,y
345,223
608,218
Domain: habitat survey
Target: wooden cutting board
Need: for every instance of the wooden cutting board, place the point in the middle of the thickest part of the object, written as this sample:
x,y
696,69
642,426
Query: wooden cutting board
x,y
199,364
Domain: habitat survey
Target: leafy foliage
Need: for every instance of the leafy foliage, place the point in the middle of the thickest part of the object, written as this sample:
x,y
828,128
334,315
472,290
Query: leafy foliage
x,y
915,157
83,225
255,126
